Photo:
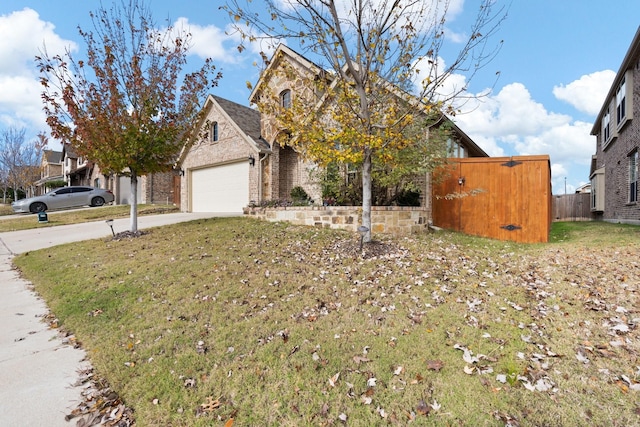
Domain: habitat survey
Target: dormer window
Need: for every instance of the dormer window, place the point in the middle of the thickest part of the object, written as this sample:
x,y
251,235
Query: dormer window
x,y
285,99
214,131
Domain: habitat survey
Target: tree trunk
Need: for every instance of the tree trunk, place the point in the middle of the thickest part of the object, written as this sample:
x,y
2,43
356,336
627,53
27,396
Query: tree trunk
x,y
133,216
366,194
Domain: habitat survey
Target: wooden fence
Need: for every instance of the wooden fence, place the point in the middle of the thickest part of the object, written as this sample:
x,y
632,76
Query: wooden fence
x,y
572,207
505,198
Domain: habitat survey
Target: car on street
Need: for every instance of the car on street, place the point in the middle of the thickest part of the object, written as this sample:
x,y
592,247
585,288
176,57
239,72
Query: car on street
x,y
64,197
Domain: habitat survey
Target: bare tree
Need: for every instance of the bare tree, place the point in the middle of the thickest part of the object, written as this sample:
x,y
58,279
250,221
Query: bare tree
x,y
123,107
20,160
388,65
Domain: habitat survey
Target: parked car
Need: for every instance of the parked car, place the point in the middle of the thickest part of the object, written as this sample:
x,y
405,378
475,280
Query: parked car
x,y
65,197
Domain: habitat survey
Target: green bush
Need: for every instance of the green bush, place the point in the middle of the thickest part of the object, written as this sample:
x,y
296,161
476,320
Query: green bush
x,y
299,196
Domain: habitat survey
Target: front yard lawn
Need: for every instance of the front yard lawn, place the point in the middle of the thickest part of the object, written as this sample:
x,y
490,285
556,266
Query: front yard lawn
x,y
235,320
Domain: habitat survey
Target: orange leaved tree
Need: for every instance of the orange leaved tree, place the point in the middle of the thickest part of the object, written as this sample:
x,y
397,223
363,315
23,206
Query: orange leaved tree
x,y
123,106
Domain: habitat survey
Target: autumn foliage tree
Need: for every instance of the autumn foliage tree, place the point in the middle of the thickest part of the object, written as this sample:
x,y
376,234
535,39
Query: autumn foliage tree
x,y
123,106
386,74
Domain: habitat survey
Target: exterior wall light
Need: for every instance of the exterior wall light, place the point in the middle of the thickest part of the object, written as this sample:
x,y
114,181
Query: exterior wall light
x,y
252,160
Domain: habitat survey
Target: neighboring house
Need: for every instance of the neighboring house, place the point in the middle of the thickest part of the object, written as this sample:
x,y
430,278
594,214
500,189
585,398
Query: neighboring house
x,y
76,170
159,188
614,167
584,188
223,163
235,158
50,170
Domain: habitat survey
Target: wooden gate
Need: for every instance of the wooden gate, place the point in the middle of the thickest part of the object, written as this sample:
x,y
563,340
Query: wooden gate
x,y
505,198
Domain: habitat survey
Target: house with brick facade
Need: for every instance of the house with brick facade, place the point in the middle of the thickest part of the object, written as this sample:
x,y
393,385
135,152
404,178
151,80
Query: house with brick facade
x,y
237,156
222,164
614,167
50,171
288,75
157,188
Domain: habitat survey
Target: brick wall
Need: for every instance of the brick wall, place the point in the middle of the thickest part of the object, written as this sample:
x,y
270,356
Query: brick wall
x,y
229,148
158,188
286,168
392,220
615,159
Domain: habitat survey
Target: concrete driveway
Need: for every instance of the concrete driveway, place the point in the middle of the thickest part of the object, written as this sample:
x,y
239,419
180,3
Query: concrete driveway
x,y
37,369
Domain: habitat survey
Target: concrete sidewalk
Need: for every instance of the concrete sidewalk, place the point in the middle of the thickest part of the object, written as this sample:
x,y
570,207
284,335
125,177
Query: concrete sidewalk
x,y
37,370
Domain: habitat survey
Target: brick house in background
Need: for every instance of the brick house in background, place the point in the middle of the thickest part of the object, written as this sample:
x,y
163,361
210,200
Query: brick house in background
x,y
614,167
158,188
76,170
50,170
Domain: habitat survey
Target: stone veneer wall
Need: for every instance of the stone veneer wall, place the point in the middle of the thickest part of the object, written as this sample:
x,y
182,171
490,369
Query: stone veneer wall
x,y
384,219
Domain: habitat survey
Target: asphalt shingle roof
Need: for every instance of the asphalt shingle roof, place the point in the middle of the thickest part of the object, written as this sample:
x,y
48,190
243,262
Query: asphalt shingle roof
x,y
246,118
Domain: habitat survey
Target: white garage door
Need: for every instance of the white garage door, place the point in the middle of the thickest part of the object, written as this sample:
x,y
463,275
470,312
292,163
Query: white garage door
x,y
222,188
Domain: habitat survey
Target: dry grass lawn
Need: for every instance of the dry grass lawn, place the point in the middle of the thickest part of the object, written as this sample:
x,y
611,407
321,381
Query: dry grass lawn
x,y
235,321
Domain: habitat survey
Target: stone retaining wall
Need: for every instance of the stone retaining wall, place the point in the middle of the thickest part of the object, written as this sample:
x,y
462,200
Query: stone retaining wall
x,y
384,219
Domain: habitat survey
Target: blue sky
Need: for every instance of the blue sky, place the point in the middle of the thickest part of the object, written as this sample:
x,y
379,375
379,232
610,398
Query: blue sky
x,y
556,65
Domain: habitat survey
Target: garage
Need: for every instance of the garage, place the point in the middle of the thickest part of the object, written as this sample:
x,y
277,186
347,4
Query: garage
x,y
223,188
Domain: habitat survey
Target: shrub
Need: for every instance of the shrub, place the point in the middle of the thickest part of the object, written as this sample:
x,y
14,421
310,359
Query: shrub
x,y
299,196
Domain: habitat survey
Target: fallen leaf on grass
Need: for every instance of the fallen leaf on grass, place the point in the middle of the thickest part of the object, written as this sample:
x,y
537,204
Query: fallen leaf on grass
x,y
423,408
382,412
334,379
435,365
361,359
581,357
210,405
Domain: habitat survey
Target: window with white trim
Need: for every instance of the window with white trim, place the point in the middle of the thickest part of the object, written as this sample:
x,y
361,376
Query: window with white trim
x,y
621,101
285,98
633,177
606,128
214,131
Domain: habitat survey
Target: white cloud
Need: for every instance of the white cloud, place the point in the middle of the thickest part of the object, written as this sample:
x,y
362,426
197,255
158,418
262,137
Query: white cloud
x,y
512,122
509,115
23,36
208,41
588,92
221,45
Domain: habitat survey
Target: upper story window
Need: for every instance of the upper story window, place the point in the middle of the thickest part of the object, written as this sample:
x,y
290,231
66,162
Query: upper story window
x,y
454,149
633,177
214,131
606,128
285,99
621,102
